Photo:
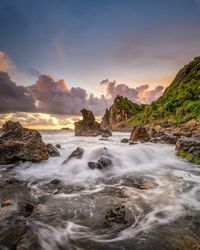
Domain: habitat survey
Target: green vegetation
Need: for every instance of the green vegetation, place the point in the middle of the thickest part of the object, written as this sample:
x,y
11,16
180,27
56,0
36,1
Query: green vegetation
x,y
189,156
129,106
179,103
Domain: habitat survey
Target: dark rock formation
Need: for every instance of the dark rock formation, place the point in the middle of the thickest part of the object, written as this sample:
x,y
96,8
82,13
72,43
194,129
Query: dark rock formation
x,y
77,153
58,146
52,151
88,126
117,116
124,140
139,133
21,144
189,149
102,163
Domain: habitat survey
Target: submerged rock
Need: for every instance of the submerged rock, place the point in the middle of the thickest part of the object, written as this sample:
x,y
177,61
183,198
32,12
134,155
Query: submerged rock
x,y
116,215
88,126
189,149
19,143
102,163
139,133
77,153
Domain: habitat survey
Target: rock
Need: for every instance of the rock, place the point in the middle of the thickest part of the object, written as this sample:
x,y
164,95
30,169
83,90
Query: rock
x,y
139,133
77,153
58,146
124,140
117,116
52,151
189,149
102,163
116,215
171,139
88,126
26,208
132,143
6,201
18,143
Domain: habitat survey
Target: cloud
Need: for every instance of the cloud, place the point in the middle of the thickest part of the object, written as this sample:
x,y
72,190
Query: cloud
x,y
5,62
56,97
14,98
140,94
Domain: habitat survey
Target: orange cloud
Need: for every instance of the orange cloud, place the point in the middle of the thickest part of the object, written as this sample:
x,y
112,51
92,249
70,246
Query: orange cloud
x,y
5,62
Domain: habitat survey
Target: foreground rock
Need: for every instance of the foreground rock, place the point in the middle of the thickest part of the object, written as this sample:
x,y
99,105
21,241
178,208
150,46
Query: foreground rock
x,y
88,126
77,154
139,133
22,144
102,163
52,151
189,149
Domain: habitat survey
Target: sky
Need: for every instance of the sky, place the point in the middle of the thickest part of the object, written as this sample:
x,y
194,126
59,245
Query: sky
x,y
59,56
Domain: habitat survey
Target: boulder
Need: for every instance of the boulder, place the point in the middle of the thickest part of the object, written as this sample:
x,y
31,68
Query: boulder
x,y
102,163
52,151
21,144
58,146
77,153
88,126
189,149
124,140
139,133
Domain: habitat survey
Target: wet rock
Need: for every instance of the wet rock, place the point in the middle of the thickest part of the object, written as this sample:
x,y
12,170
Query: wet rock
x,y
58,146
139,133
52,151
116,215
55,182
140,182
29,241
168,138
6,201
77,154
26,208
10,236
124,140
100,164
21,144
132,143
189,149
88,126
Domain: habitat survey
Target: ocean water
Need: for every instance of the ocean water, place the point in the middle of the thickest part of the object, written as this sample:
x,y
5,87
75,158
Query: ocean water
x,y
158,192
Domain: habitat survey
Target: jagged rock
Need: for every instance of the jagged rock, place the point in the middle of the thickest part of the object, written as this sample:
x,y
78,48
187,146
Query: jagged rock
x,y
77,153
117,116
189,149
102,163
52,151
139,133
21,144
124,140
88,126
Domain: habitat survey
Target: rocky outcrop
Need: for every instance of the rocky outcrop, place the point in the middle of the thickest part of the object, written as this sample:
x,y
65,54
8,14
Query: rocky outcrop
x,y
139,133
21,144
189,149
117,116
77,154
88,126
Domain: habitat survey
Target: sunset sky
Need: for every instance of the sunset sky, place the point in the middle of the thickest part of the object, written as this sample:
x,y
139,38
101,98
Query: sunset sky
x,y
57,57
